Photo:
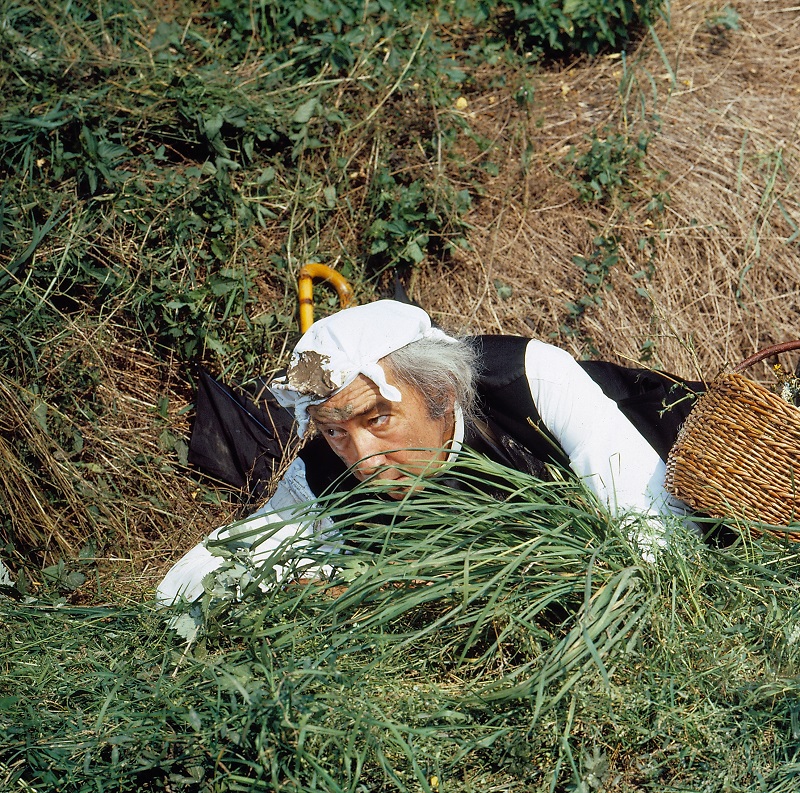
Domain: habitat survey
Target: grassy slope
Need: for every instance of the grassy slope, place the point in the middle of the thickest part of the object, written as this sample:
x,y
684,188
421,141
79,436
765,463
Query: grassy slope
x,y
164,179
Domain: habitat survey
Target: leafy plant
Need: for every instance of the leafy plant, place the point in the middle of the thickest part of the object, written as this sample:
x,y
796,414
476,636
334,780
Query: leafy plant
x,y
332,34
727,18
587,26
415,219
596,269
609,167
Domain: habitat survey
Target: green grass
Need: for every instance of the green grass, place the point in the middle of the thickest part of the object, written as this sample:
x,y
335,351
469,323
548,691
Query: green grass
x,y
515,644
161,170
162,181
165,175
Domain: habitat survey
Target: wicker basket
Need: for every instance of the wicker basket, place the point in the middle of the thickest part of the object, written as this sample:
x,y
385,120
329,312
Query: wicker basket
x,y
738,453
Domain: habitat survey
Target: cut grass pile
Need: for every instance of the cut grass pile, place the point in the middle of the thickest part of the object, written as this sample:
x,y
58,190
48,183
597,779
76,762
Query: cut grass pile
x,y
479,645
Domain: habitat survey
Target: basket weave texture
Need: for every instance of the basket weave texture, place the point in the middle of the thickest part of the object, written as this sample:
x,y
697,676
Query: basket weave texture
x,y
738,455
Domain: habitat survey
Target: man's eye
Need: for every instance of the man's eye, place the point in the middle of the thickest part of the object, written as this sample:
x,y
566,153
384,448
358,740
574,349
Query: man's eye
x,y
334,432
379,421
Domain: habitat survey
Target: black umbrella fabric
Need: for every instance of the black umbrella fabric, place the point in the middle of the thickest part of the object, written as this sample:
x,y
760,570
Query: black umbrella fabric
x,y
239,437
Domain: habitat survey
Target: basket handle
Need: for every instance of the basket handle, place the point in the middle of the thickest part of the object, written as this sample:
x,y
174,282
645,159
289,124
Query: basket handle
x,y
775,349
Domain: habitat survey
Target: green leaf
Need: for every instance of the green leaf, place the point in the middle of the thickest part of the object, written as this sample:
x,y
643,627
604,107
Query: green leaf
x,y
212,124
305,112
219,250
40,415
504,291
54,571
182,451
414,252
266,176
167,34
235,116
71,581
166,440
223,287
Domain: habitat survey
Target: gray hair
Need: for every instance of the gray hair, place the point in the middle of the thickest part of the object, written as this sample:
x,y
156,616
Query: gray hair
x,y
441,370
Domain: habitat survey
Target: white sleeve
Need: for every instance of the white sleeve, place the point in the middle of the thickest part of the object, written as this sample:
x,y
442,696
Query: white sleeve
x,y
605,450
276,523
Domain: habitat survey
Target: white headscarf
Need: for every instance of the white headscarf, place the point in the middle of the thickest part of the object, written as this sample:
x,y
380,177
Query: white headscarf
x,y
337,349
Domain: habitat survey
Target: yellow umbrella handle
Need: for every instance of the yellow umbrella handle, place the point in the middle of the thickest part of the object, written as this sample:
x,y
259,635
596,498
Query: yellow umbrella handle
x,y
305,290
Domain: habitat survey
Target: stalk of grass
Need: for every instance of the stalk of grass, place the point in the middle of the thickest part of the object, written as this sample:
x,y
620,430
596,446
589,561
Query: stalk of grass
x,y
504,654
474,584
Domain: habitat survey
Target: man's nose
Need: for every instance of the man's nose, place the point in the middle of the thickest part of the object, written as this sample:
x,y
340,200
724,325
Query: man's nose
x,y
368,452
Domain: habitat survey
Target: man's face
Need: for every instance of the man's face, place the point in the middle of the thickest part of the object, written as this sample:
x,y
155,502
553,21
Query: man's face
x,y
390,440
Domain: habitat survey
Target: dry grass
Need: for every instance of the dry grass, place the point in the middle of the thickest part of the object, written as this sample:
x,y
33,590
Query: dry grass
x,y
726,277
123,495
443,679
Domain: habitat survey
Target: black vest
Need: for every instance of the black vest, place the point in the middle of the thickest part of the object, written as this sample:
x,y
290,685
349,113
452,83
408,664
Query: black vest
x,y
510,430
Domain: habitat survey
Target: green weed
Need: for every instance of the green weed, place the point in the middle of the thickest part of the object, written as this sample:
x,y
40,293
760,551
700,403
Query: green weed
x,y
579,25
610,168
596,268
727,18
415,219
174,143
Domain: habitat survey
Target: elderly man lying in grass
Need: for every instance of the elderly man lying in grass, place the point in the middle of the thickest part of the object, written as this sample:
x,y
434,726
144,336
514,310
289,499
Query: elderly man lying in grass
x,y
394,400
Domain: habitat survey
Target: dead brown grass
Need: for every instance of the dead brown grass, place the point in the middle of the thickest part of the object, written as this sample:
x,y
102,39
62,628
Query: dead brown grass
x,y
122,493
726,276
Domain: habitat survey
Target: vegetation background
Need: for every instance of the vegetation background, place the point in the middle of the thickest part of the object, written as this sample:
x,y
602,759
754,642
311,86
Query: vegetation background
x,y
617,177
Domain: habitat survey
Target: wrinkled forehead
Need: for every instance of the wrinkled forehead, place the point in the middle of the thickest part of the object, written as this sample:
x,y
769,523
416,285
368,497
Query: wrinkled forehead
x,y
359,398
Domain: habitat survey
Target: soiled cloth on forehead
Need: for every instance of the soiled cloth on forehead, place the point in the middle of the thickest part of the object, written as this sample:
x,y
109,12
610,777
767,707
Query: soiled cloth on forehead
x,y
337,349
